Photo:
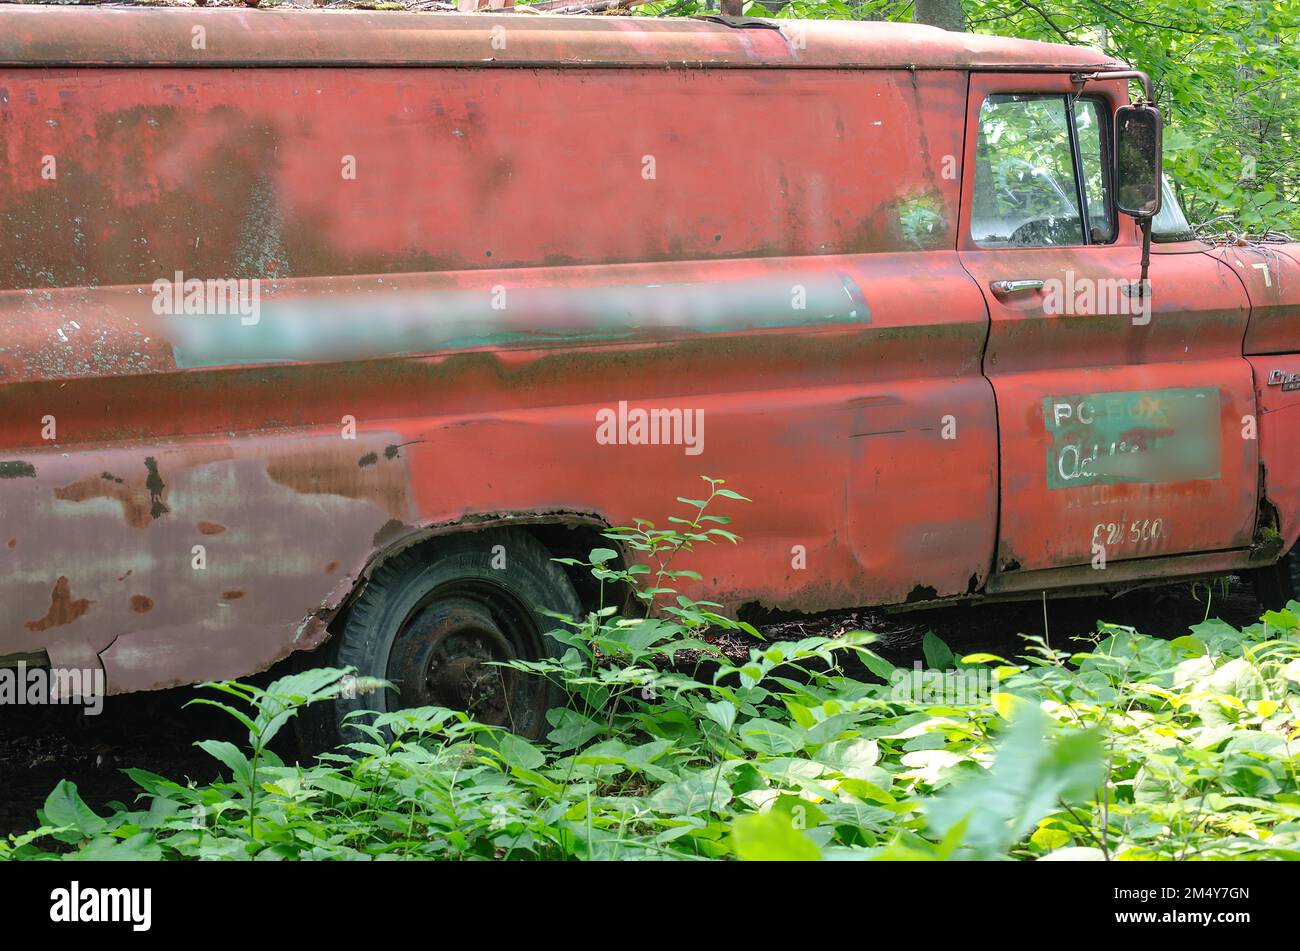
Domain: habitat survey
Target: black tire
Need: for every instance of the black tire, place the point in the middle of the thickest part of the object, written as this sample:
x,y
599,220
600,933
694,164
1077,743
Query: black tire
x,y
428,618
1280,583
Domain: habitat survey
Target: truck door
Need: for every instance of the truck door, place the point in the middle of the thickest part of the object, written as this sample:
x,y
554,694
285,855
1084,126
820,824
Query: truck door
x,y
1125,421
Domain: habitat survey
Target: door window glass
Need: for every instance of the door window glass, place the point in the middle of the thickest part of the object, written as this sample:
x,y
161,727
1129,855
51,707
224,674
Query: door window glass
x,y
1027,190
1090,118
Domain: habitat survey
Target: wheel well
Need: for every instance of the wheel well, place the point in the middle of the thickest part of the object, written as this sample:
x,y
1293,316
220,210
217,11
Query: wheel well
x,y
571,538
565,540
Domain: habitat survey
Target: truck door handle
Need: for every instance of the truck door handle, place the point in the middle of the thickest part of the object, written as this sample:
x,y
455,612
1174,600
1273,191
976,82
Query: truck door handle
x,y
1003,288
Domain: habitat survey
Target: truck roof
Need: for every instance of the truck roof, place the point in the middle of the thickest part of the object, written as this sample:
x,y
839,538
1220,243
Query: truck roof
x,y
40,35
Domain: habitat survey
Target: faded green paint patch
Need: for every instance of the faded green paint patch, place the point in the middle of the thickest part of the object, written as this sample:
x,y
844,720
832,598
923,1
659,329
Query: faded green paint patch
x,y
1170,435
393,321
17,470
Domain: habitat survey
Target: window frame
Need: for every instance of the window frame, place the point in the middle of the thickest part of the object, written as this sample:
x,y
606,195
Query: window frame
x,y
1105,117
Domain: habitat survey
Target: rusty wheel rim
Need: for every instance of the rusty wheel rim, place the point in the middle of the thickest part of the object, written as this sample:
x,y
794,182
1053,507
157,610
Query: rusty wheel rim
x,y
447,652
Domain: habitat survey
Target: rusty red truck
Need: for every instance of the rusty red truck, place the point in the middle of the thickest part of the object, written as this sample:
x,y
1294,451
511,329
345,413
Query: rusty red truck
x,y
327,331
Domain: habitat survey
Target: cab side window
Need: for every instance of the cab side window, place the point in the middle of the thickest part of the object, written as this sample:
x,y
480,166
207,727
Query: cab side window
x,y
1091,123
1041,173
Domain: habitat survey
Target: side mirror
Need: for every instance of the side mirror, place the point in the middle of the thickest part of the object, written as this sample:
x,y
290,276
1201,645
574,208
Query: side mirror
x,y
1137,160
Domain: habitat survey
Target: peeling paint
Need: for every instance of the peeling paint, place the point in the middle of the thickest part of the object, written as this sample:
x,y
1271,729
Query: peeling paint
x,y
64,609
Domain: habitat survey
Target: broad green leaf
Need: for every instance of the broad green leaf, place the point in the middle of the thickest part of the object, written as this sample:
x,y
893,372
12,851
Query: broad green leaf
x,y
63,807
723,713
771,837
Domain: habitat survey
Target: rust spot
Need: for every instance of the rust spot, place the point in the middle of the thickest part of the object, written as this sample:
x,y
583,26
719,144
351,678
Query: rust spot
x,y
155,485
141,498
319,472
369,459
392,450
210,528
141,604
332,567
234,594
135,508
63,610
13,543
129,572
17,470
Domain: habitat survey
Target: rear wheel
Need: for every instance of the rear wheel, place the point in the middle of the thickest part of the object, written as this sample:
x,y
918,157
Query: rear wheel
x,y
436,619
1280,583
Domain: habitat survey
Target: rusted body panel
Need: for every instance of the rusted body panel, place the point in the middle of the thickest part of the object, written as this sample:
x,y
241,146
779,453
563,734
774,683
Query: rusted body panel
x,y
1076,391
851,414
1279,447
104,36
439,334
377,304
1271,277
222,173
1119,429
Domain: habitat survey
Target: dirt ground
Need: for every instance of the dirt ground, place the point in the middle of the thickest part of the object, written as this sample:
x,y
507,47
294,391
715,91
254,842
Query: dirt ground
x,y
156,731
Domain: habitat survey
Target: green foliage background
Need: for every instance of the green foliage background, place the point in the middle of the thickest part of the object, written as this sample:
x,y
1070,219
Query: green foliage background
x,y
1226,74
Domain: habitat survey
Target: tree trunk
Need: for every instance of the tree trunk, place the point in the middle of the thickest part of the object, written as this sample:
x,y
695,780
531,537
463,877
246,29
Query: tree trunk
x,y
946,14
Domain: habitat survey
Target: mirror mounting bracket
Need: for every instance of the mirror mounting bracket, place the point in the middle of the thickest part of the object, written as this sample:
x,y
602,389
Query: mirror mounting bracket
x,y
1143,286
1148,89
